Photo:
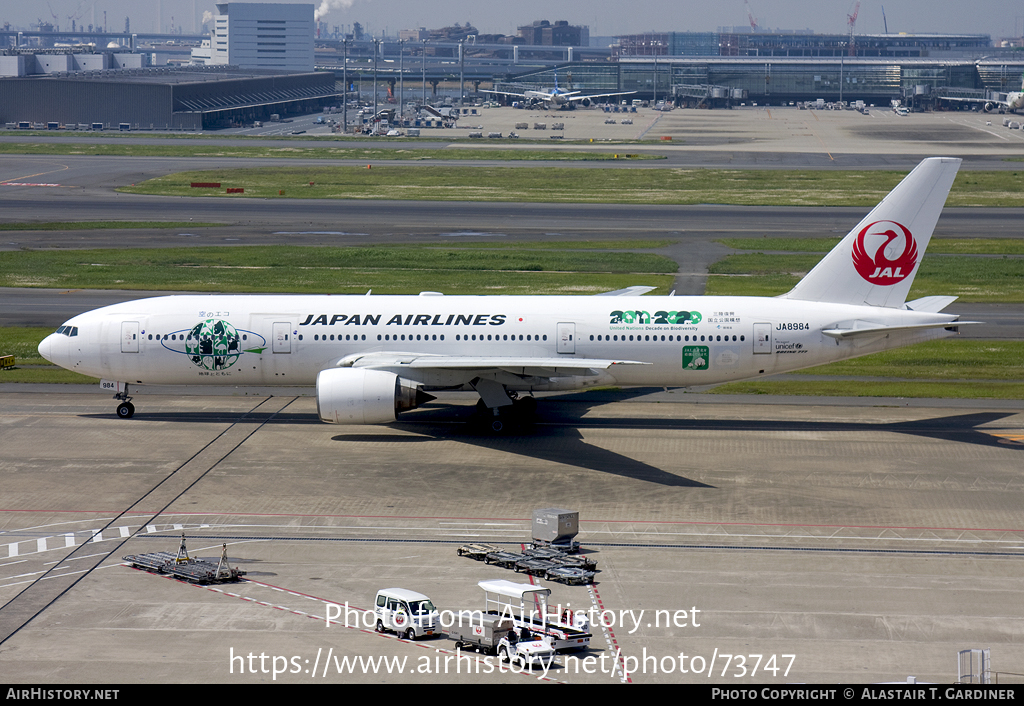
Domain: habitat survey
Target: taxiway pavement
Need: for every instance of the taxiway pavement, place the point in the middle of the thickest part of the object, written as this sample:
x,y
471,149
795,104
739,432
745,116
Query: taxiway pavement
x,y
852,542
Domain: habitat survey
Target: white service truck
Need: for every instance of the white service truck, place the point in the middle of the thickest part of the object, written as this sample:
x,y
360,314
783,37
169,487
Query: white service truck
x,y
408,613
527,605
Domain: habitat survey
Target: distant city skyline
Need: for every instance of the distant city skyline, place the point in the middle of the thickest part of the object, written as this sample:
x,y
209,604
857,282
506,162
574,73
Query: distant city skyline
x,y
998,18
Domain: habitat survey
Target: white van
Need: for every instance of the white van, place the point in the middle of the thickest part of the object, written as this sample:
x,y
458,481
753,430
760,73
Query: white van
x,y
407,613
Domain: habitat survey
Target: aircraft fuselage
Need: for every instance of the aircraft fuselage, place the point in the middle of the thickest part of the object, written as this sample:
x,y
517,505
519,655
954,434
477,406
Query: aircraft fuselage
x,y
288,340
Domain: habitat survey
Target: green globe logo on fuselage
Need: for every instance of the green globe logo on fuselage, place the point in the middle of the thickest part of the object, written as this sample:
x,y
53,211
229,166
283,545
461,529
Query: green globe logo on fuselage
x,y
213,345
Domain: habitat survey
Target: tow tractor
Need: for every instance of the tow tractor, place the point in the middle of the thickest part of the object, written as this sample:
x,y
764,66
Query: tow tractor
x,y
493,634
507,599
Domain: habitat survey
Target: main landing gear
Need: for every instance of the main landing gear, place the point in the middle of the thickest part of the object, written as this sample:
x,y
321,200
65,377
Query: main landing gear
x,y
500,408
126,409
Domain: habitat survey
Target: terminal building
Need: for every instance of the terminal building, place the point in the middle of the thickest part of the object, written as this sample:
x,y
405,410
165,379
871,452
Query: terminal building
x,y
803,44
718,81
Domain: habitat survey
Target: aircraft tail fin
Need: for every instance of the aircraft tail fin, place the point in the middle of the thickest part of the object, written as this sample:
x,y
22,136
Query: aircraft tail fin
x,y
876,262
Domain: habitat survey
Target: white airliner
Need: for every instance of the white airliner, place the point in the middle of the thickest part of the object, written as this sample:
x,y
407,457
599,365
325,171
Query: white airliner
x,y
1013,101
556,98
372,357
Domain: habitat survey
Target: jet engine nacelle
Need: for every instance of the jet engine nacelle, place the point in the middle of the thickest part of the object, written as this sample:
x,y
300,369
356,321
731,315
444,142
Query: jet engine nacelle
x,y
989,107
362,396
585,103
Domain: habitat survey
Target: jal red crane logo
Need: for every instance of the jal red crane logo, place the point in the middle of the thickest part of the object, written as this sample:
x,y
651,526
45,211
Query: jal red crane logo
x,y
888,264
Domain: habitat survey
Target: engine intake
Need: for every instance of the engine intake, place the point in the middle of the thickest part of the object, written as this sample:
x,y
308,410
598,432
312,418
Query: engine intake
x,y
361,396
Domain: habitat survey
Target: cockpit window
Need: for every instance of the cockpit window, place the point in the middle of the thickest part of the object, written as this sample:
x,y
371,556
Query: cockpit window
x,y
68,330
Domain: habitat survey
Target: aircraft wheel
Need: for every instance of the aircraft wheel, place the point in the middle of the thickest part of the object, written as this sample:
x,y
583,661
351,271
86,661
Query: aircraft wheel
x,y
497,425
125,410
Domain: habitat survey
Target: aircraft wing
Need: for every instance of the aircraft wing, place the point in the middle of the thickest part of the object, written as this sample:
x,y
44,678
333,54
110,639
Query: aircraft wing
x,y
535,94
520,365
516,365
600,95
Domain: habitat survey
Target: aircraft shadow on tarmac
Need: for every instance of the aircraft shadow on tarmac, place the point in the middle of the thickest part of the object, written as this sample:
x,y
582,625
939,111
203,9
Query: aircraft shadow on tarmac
x,y
554,433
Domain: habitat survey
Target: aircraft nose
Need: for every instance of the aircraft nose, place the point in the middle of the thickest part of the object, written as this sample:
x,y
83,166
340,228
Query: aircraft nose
x,y
46,347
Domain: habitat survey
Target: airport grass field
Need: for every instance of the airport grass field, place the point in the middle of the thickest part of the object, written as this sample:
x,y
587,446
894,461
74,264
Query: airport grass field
x,y
569,185
572,269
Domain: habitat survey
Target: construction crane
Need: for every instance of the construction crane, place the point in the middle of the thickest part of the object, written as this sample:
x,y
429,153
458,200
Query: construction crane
x,y
750,16
851,20
77,15
56,22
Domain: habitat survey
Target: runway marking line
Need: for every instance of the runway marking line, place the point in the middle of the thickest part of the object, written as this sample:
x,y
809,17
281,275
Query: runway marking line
x,y
689,523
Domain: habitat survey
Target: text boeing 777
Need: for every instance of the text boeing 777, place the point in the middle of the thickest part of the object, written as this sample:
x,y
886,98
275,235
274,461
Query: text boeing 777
x,y
371,357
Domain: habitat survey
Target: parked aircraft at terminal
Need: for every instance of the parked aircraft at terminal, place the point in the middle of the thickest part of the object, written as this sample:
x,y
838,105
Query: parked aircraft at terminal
x,y
558,98
1002,102
372,357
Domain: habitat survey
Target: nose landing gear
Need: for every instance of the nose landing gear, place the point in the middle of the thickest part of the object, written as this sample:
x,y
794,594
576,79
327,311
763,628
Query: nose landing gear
x,y
126,409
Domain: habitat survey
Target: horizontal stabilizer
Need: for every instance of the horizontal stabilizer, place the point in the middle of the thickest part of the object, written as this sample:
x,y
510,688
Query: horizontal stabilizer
x,y
869,328
634,291
932,305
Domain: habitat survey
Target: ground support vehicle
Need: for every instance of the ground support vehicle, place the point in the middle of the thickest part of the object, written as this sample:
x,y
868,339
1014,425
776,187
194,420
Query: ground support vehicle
x,y
478,552
505,598
506,560
552,571
184,567
408,613
562,559
546,562
497,635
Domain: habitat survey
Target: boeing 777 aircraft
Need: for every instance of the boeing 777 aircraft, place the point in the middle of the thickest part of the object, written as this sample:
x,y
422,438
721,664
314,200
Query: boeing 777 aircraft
x,y
373,357
1011,103
556,98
